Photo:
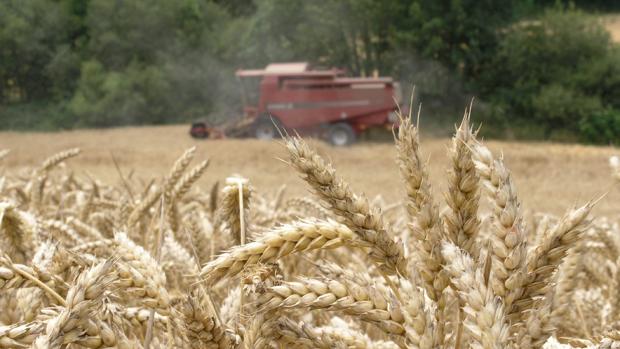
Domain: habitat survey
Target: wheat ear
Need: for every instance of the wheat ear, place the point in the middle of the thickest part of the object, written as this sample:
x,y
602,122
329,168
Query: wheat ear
x,y
202,328
147,201
18,232
36,185
229,208
4,153
461,221
72,322
535,304
56,159
484,312
508,236
291,333
277,243
354,210
186,182
178,169
425,226
420,314
549,254
369,304
20,335
144,274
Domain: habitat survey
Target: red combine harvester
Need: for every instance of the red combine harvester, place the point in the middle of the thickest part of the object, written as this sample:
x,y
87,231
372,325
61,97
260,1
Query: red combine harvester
x,y
294,98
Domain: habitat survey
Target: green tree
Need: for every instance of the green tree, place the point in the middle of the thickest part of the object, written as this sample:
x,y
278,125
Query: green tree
x,y
462,34
352,34
556,71
121,32
161,68
32,38
601,5
110,98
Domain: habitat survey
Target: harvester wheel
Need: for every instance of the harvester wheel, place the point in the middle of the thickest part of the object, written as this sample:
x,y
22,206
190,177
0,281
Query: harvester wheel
x,y
265,129
341,134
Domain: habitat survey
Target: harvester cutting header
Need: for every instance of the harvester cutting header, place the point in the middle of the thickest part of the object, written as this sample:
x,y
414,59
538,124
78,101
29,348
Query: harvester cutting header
x,y
295,98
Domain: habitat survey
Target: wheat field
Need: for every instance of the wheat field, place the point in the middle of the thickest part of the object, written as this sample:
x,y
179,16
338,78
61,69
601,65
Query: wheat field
x,y
145,238
549,176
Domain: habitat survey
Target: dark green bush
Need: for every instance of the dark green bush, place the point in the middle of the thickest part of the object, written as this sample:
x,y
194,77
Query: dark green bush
x,y
108,98
36,116
559,107
555,71
602,127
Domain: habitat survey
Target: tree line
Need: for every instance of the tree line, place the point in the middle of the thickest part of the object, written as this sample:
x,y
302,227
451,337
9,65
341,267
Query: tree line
x,y
540,68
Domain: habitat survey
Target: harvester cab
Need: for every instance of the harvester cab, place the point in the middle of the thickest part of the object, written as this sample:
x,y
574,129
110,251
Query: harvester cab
x,y
324,103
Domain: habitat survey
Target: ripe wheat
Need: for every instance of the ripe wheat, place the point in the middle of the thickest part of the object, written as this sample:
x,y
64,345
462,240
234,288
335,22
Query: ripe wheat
x,y
85,264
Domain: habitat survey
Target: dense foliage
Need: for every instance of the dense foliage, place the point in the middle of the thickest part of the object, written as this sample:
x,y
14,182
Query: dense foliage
x,y
559,74
537,66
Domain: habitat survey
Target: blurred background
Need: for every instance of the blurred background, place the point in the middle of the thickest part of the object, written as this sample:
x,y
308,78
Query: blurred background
x,y
539,69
